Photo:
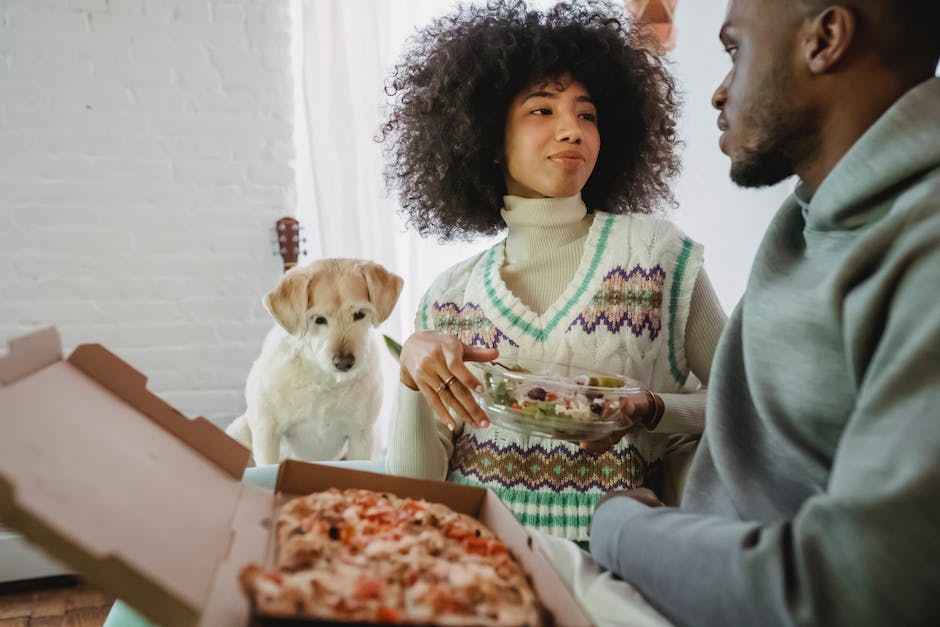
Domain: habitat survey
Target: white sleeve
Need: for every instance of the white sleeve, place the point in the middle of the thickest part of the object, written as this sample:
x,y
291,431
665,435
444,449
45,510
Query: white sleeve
x,y
419,445
685,413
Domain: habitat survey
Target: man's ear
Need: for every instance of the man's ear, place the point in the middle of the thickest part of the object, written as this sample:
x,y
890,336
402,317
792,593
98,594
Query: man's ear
x,y
384,288
287,302
827,38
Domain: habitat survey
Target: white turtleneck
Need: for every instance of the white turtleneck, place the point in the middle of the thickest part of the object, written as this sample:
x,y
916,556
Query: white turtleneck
x,y
544,246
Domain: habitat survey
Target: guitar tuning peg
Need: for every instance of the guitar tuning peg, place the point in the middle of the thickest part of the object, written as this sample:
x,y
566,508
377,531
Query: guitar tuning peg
x,y
294,239
303,240
304,252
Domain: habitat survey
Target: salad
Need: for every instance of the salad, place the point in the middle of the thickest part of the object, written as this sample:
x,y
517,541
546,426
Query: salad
x,y
581,398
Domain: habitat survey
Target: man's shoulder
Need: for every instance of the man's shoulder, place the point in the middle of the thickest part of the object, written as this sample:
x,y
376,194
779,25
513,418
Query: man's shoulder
x,y
915,211
920,200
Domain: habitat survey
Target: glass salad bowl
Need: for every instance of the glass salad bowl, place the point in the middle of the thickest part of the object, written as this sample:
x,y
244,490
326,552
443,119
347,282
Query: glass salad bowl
x,y
549,400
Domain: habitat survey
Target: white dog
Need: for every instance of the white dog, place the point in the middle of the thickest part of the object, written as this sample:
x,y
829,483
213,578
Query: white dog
x,y
317,385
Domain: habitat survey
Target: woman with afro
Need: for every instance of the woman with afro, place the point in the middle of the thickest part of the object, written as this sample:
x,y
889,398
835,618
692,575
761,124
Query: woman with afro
x,y
558,126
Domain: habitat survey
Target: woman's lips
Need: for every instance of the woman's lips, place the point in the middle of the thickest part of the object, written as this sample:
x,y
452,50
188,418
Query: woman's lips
x,y
568,157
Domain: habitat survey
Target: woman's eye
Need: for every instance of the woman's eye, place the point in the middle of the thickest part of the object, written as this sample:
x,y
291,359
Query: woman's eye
x,y
589,116
319,320
542,111
359,315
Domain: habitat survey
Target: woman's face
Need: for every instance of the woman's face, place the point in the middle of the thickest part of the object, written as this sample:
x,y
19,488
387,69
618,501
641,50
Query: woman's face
x,y
551,141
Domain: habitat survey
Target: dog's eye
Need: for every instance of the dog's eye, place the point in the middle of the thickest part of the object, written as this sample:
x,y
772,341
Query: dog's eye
x,y
359,315
319,320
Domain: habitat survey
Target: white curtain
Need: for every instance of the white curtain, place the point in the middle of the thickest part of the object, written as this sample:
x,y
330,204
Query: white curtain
x,y
343,52
345,49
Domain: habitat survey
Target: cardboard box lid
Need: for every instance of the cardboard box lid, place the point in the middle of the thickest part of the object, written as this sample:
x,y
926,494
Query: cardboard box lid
x,y
113,481
148,504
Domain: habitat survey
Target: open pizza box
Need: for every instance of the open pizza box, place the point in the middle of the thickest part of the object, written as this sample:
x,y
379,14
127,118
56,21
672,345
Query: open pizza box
x,y
148,504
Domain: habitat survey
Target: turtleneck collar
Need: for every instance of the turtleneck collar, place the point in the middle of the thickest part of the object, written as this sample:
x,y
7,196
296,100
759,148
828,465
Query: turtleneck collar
x,y
538,225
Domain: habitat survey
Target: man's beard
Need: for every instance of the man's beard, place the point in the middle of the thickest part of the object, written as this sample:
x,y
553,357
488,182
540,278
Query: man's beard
x,y
787,137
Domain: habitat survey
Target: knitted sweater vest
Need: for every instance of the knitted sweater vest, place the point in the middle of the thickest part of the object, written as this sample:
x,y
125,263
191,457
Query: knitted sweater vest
x,y
623,312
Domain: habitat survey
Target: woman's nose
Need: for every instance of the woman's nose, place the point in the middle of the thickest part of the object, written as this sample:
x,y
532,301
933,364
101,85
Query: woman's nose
x,y
567,128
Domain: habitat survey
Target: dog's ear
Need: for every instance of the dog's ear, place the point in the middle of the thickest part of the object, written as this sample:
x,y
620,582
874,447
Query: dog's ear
x,y
384,288
287,302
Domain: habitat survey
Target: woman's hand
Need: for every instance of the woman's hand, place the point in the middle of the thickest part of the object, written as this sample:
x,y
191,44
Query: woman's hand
x,y
637,411
433,363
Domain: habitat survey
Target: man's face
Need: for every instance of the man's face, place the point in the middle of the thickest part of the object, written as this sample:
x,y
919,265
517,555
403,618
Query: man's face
x,y
768,128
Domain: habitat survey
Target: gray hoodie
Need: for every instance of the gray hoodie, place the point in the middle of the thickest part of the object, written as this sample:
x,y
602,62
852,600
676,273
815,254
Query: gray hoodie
x,y
815,495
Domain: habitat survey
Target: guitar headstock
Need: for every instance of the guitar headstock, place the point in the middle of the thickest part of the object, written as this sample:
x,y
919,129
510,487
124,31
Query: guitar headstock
x,y
288,241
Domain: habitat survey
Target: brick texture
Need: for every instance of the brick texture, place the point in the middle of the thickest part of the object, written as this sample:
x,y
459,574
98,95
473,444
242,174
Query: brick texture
x,y
145,154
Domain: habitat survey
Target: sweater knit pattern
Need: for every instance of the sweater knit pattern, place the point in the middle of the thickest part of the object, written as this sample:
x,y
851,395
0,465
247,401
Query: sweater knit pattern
x,y
622,313
634,298
553,488
469,324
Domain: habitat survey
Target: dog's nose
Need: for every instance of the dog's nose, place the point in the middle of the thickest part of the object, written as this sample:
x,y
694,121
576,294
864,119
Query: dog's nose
x,y
344,362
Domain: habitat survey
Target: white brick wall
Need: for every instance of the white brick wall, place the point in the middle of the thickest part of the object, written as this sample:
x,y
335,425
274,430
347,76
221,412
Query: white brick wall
x,y
145,151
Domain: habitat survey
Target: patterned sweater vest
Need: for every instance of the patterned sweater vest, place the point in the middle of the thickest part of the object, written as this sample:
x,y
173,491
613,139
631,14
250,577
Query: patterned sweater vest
x,y
623,312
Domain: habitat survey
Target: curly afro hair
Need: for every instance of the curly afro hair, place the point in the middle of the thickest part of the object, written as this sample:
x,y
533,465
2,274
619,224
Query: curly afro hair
x,y
453,91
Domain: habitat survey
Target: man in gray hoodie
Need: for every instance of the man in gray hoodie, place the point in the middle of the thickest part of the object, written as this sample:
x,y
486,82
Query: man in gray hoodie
x,y
814,497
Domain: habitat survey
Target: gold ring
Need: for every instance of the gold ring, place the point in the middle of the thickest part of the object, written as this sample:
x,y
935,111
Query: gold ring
x,y
445,384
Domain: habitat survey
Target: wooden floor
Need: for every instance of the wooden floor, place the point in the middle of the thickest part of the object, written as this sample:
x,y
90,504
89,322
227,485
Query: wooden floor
x,y
53,602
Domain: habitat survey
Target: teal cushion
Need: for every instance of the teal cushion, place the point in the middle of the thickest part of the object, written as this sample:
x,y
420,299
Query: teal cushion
x,y
122,615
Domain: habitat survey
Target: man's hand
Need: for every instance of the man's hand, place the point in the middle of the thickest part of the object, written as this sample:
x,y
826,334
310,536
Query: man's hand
x,y
433,363
643,495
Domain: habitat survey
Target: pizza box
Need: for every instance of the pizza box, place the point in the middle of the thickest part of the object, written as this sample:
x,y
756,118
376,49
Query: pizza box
x,y
148,504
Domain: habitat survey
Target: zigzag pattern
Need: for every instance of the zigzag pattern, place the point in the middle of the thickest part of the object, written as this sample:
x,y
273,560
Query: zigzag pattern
x,y
536,467
633,298
468,323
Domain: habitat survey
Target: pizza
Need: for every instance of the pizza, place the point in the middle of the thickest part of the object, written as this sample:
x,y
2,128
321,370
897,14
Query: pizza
x,y
362,556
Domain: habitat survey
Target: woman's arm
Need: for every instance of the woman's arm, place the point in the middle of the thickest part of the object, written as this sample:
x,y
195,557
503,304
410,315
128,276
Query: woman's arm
x,y
420,443
685,413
